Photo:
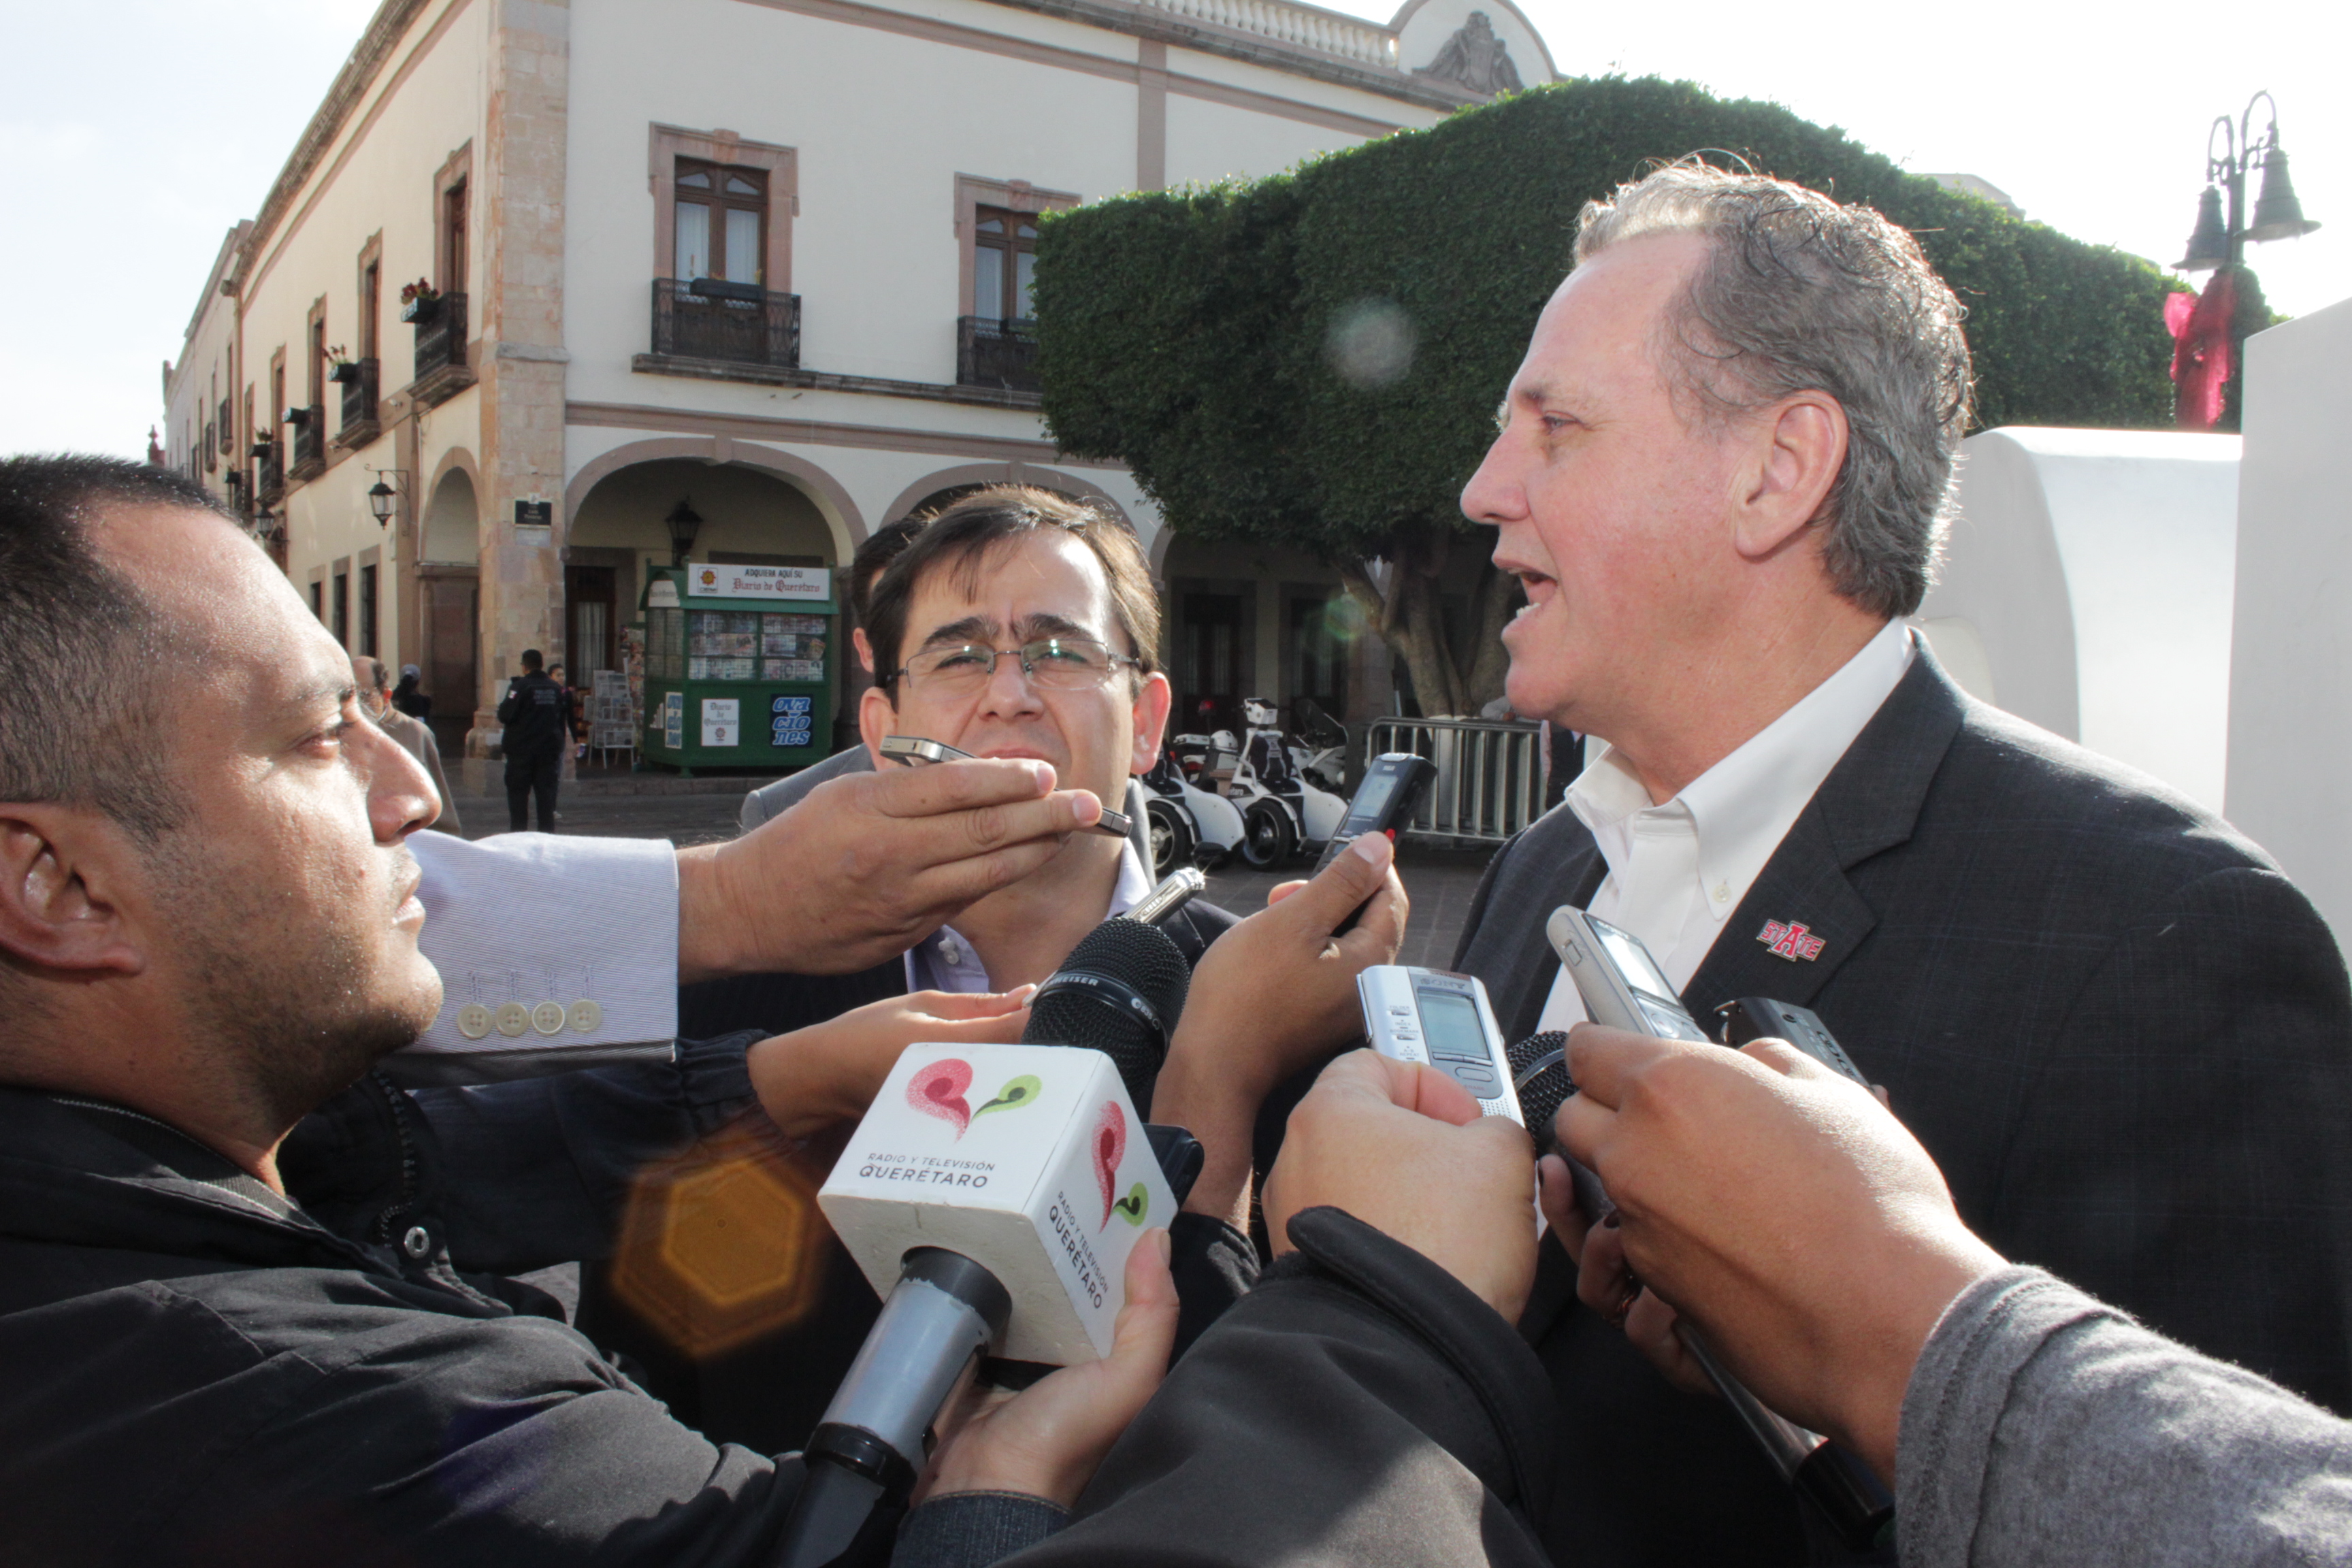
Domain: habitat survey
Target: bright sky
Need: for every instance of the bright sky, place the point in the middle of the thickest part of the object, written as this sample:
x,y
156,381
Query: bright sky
x,y
134,132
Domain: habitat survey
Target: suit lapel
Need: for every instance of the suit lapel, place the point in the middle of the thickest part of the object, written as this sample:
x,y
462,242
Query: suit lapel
x,y
1870,803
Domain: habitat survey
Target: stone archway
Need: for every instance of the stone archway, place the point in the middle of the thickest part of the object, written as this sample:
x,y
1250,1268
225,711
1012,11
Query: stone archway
x,y
829,495
449,600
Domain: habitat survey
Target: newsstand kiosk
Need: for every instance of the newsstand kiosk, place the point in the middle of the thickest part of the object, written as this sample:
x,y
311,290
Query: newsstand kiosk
x,y
739,666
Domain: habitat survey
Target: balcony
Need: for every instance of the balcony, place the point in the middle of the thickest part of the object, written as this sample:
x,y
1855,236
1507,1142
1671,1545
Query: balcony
x,y
442,371
359,424
732,323
268,473
309,426
999,353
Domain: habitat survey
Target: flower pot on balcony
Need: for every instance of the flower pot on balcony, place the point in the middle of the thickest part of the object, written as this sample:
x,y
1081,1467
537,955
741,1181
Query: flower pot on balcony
x,y
424,312
344,372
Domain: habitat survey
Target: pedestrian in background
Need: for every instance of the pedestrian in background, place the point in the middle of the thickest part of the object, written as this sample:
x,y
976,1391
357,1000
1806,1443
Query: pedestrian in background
x,y
381,703
407,697
532,713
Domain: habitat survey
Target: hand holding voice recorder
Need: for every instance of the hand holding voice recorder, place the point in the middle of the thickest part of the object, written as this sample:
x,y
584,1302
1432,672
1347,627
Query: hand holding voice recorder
x,y
915,752
1444,1021
1623,988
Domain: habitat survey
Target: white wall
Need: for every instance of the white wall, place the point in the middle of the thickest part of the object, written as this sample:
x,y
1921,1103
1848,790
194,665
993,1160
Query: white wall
x,y
2087,590
2291,666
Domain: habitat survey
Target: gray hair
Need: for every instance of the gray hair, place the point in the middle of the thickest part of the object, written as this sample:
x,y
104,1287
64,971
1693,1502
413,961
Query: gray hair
x,y
1801,293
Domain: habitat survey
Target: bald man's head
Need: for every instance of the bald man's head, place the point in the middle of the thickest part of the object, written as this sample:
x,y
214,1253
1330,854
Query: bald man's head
x,y
82,695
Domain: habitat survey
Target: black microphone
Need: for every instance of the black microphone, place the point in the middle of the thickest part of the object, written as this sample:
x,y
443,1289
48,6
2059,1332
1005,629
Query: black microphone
x,y
1120,993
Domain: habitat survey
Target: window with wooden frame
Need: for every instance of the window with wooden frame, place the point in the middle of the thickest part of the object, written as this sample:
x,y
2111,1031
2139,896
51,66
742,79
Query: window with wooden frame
x,y
371,306
453,238
1004,264
317,355
721,223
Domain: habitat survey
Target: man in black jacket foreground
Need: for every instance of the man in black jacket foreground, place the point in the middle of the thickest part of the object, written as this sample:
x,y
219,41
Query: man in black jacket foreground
x,y
250,1312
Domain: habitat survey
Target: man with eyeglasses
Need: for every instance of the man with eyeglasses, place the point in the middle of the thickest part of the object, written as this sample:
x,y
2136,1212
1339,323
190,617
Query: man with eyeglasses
x,y
1021,624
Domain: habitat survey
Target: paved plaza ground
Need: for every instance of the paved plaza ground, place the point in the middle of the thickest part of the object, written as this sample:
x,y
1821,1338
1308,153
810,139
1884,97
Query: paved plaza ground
x,y
1439,882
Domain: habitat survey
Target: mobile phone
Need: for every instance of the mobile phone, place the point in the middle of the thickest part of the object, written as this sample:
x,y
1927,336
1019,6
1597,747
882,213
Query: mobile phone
x,y
1621,984
1385,801
914,751
1172,894
1429,1016
1623,988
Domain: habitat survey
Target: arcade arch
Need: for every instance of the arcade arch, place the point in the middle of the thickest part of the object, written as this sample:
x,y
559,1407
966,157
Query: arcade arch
x,y
751,516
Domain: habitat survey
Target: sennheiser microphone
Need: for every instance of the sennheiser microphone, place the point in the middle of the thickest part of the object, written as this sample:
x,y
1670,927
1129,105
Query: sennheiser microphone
x,y
994,1193
1120,993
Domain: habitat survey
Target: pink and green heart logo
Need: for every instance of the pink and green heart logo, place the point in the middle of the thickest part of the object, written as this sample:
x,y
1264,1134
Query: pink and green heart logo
x,y
939,1089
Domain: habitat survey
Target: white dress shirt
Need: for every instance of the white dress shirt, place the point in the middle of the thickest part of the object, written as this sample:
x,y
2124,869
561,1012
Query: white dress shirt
x,y
554,951
1678,871
944,961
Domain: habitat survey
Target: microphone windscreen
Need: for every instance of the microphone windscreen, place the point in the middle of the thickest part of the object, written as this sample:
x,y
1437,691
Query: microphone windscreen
x,y
1540,1071
1120,993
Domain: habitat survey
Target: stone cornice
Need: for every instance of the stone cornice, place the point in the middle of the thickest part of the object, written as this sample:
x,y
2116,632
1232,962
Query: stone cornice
x,y
383,33
1145,21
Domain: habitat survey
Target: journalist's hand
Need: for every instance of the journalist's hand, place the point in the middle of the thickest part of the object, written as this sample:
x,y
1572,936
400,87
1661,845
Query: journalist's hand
x,y
828,1073
1403,1148
1047,1440
1271,997
1781,1208
868,866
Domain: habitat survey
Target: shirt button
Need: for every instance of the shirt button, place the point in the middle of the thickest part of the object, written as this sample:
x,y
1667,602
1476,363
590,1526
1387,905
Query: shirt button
x,y
548,1017
473,1020
952,950
513,1018
1722,892
587,1016
417,1242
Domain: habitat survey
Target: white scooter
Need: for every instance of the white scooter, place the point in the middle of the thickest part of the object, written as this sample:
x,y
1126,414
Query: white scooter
x,y
1282,813
1190,826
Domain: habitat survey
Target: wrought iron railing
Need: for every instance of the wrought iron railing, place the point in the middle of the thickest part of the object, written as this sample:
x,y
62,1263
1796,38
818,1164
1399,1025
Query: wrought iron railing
x,y
1490,776
736,324
269,472
992,352
359,396
440,335
310,441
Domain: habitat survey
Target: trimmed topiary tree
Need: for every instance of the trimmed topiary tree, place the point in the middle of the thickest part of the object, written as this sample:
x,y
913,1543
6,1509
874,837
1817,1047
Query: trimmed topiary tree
x,y
1315,359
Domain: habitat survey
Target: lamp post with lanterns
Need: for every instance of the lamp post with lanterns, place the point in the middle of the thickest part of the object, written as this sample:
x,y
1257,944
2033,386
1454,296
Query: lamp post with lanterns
x,y
2232,308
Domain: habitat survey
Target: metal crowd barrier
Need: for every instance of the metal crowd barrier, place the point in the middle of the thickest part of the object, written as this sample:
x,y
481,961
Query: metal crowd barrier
x,y
1489,775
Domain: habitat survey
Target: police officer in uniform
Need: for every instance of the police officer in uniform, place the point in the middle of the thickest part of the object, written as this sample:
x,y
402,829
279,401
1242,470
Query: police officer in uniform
x,y
533,714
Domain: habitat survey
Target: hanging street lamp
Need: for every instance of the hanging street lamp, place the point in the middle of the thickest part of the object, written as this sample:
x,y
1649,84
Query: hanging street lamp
x,y
2209,331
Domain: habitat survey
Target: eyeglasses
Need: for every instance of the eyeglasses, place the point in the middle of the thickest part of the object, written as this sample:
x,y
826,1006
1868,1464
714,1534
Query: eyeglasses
x,y
1051,664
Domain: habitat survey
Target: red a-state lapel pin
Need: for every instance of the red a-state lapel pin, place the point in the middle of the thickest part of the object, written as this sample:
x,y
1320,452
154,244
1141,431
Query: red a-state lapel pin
x,y
1786,940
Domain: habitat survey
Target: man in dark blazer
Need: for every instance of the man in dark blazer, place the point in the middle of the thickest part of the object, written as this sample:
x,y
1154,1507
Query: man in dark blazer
x,y
2124,1034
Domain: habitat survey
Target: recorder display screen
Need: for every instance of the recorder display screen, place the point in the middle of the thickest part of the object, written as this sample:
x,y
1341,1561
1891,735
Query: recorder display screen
x,y
1451,1021
1631,960
1376,787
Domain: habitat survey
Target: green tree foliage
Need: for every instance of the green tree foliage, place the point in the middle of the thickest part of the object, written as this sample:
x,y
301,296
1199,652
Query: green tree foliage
x,y
1191,334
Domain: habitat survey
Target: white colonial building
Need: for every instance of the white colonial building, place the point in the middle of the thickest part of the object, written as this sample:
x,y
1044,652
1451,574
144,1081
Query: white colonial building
x,y
761,261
